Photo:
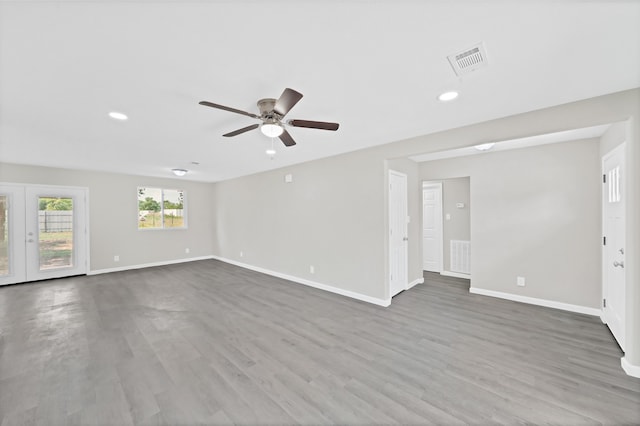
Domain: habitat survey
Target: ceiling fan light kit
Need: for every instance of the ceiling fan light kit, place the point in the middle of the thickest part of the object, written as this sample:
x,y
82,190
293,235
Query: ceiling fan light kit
x,y
272,130
272,113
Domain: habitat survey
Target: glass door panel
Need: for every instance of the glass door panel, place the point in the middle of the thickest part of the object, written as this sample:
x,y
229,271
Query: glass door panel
x,y
12,238
55,232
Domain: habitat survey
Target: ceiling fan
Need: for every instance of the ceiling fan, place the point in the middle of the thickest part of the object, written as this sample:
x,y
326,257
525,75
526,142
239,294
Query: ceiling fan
x,y
272,114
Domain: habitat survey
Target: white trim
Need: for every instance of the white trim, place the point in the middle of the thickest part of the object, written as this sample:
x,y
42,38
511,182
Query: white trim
x,y
540,302
415,282
148,265
630,369
342,292
455,274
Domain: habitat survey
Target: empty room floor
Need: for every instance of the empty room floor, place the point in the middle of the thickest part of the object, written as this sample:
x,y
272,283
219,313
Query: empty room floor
x,y
210,343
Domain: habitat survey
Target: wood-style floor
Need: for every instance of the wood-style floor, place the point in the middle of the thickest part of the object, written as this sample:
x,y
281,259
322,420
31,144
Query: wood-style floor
x,y
210,343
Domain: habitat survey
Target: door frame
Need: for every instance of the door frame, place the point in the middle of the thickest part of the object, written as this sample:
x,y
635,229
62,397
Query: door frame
x,y
438,184
83,255
618,150
405,266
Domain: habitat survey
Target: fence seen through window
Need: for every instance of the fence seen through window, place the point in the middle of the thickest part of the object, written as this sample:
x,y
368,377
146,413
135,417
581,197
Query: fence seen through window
x,y
55,232
161,208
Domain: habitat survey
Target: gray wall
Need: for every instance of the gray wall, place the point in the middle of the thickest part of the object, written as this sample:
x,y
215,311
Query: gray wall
x,y
113,215
329,217
458,227
536,214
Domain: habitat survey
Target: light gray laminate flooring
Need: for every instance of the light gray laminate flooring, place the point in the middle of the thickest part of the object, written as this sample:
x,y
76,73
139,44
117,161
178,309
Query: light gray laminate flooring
x,y
210,343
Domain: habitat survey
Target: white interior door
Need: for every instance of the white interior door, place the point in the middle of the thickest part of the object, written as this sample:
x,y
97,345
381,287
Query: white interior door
x,y
44,233
432,227
613,209
398,235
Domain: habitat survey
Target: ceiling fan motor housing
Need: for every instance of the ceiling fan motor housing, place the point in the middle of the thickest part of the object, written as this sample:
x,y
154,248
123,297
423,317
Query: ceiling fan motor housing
x,y
266,107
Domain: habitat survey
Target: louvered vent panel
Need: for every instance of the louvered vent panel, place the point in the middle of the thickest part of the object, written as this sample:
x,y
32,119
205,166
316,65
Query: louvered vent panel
x,y
460,256
468,60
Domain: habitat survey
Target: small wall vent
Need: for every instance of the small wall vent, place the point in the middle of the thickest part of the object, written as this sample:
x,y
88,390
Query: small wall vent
x,y
469,60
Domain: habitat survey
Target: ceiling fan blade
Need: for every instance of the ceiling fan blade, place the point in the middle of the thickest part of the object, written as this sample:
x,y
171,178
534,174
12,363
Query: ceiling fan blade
x,y
314,124
286,139
240,131
226,108
286,101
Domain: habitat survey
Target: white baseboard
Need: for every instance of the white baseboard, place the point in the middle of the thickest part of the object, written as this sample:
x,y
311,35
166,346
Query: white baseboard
x,y
147,265
415,282
352,294
540,302
630,369
455,274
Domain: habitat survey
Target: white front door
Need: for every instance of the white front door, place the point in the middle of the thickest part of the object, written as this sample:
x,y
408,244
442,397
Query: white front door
x,y
613,214
44,233
432,226
398,236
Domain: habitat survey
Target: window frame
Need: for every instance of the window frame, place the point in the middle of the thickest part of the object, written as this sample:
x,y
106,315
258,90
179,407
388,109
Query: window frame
x,y
162,190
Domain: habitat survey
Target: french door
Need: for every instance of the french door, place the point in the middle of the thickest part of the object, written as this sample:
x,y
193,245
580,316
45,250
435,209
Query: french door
x,y
43,232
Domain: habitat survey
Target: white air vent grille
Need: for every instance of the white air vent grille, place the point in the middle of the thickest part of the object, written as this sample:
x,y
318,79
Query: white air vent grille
x,y
469,60
460,256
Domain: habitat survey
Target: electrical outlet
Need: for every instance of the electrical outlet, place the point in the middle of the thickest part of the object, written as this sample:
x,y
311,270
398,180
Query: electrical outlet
x,y
187,250
520,281
312,269
116,258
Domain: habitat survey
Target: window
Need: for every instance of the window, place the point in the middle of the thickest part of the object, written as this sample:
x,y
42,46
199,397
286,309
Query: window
x,y
161,208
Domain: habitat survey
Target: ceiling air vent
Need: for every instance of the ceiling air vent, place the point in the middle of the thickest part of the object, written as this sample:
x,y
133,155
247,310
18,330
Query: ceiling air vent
x,y
469,60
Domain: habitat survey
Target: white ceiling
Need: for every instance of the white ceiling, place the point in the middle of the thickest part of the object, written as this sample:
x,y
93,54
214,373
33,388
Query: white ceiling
x,y
375,67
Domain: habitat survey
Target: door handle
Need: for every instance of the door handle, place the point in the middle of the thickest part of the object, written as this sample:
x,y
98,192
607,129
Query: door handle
x,y
620,264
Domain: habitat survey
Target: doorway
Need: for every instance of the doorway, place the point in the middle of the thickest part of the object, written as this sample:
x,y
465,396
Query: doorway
x,y
614,225
432,245
43,232
398,235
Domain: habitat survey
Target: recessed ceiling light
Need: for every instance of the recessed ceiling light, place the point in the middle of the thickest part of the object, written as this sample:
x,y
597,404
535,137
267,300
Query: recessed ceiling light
x,y
118,115
179,172
448,96
484,146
